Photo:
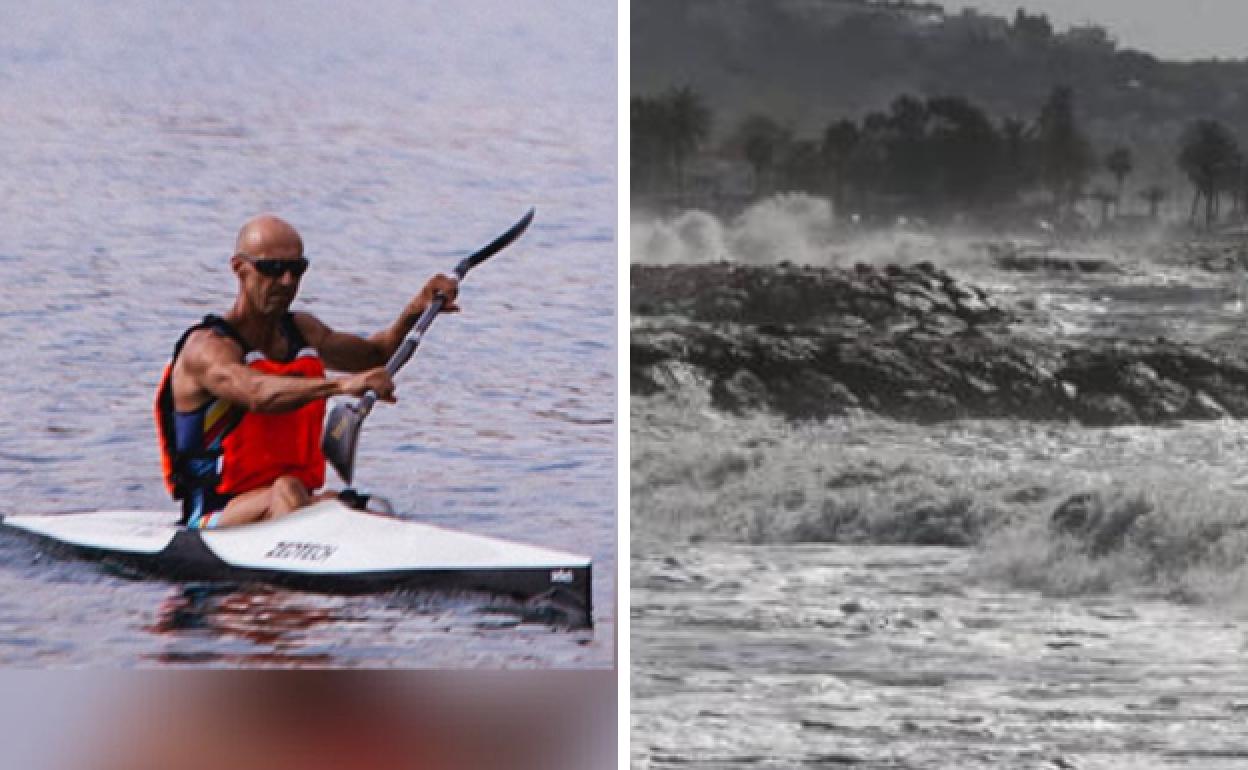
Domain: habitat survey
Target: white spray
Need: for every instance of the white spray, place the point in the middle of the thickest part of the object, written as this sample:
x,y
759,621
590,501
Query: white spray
x,y
791,227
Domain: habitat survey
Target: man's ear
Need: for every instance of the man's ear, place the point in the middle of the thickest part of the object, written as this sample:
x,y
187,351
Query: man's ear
x,y
236,263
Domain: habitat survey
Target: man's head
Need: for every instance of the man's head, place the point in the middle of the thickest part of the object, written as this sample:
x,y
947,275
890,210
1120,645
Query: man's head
x,y
268,260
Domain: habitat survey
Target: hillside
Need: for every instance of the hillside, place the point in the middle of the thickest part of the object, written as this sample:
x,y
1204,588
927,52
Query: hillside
x,y
808,62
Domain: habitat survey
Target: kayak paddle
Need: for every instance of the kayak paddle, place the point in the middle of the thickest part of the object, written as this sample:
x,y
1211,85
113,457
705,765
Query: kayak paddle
x,y
342,429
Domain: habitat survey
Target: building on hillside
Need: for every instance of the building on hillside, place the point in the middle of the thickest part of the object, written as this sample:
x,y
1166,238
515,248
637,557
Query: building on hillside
x,y
1090,37
918,14
973,25
833,12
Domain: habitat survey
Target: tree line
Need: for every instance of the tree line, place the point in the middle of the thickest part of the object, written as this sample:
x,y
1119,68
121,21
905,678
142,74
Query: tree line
x,y
938,157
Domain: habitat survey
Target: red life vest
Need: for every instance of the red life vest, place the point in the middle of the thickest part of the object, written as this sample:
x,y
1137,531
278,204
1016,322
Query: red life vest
x,y
238,451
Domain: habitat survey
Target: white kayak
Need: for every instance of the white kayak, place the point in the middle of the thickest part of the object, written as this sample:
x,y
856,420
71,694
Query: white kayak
x,y
324,547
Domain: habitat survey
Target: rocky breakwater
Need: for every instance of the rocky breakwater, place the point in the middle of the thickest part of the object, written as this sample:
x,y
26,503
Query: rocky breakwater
x,y
1228,253
911,342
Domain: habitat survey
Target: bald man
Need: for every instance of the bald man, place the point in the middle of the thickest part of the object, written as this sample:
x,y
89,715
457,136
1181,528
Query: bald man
x,y
241,404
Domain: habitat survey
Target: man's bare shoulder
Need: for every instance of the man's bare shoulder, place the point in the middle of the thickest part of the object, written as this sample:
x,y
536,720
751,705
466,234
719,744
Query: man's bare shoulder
x,y
204,352
206,346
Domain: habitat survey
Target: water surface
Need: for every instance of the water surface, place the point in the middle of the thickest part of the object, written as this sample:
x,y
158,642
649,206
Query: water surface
x,y
785,615
397,137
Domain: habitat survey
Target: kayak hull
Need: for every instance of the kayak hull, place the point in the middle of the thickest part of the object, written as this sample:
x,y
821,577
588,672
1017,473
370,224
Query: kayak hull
x,y
326,548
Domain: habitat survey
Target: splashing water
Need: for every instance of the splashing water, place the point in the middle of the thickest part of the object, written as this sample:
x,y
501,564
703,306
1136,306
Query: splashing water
x,y
1166,502
792,227
800,229
701,475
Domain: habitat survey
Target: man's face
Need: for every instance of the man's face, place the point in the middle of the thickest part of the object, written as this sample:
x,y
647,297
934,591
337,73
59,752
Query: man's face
x,y
270,277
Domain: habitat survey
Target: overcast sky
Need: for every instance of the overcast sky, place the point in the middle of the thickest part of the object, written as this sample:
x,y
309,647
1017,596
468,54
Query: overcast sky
x,y
1169,29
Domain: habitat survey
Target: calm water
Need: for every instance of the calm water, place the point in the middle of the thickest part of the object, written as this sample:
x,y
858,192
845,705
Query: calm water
x,y
136,139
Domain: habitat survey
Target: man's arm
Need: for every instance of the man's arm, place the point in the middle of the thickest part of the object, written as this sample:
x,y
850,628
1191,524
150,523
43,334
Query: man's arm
x,y
213,364
351,353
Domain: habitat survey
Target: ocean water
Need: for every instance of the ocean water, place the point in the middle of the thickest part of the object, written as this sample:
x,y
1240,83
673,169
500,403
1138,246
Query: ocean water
x,y
397,137
886,657
784,610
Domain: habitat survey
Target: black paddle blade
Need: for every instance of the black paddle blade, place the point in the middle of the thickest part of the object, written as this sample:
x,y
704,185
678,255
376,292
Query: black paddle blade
x,y
496,245
342,433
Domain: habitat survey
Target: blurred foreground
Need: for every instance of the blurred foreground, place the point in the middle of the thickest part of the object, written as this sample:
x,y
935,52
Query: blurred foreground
x,y
319,721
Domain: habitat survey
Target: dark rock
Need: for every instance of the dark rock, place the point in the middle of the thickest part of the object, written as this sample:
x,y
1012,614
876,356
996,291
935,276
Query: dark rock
x,y
913,302
943,325
813,394
1025,495
932,524
930,405
1028,263
913,342
1231,395
746,294
1100,527
1077,513
742,391
1155,398
1202,406
1105,410
1116,526
642,383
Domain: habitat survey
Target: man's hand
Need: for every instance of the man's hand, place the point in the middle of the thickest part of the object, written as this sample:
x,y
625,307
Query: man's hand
x,y
440,284
377,380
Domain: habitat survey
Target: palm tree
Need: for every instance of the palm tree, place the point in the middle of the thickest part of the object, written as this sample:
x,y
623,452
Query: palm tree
x,y
1106,198
965,153
762,142
801,167
648,153
688,126
839,142
1119,163
1209,156
1064,152
1154,195
1237,187
1017,170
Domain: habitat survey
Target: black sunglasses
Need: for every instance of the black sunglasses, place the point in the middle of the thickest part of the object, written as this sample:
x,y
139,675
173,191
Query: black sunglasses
x,y
274,268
